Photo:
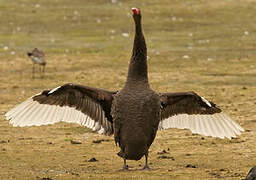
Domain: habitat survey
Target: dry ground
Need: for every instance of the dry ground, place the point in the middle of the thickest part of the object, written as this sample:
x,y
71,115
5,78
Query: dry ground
x,y
207,46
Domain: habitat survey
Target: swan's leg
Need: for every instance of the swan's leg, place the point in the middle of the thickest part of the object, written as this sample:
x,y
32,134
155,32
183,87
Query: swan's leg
x,y
146,164
125,165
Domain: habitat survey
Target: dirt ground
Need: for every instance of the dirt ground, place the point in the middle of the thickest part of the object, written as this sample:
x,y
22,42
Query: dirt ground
x,y
210,53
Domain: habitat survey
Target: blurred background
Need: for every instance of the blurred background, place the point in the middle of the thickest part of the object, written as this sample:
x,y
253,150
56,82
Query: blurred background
x,y
224,29
102,31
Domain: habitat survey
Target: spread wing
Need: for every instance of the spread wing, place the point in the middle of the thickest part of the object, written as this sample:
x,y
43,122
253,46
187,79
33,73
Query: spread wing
x,y
187,110
86,106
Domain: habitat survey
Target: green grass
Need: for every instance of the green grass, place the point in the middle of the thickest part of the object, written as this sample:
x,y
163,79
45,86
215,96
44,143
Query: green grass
x,y
84,44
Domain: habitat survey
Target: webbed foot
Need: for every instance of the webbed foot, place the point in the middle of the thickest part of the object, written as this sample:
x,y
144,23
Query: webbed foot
x,y
146,167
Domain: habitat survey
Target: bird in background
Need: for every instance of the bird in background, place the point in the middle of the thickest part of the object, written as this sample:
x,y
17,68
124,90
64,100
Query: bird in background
x,y
37,57
133,114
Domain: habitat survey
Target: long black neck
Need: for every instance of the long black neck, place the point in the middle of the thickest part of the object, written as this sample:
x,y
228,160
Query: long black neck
x,y
138,70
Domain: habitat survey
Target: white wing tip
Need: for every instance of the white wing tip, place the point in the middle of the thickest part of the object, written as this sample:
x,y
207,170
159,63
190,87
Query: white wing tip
x,y
53,90
206,102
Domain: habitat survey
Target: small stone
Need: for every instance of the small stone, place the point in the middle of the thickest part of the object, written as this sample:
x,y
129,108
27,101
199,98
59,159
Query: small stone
x,y
37,5
246,33
75,142
2,142
15,87
162,152
191,166
92,160
44,178
112,31
166,157
125,34
97,141
186,57
76,174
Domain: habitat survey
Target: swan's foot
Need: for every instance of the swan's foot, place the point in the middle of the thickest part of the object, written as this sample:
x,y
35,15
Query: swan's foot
x,y
146,167
125,168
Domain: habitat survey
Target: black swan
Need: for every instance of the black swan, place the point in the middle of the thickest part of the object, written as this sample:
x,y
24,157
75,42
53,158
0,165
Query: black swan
x,y
133,114
37,57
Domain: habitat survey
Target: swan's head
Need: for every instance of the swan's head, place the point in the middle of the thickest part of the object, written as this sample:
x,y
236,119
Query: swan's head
x,y
136,14
136,11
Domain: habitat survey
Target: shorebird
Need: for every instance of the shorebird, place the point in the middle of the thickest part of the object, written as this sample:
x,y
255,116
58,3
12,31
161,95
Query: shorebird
x,y
37,57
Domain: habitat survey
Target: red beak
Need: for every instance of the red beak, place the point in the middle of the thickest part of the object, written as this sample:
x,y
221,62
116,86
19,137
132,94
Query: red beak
x,y
136,10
